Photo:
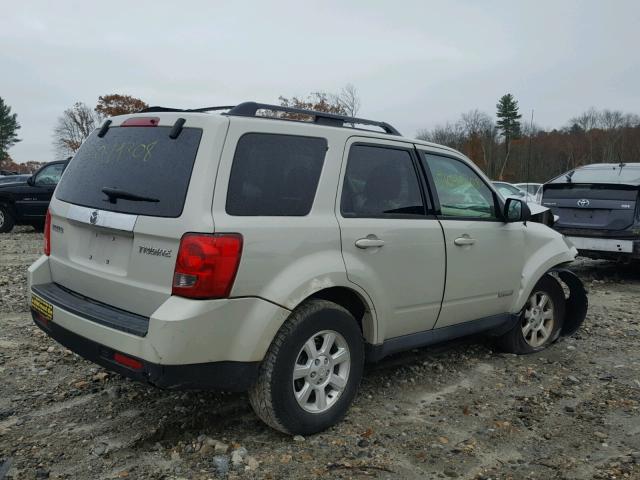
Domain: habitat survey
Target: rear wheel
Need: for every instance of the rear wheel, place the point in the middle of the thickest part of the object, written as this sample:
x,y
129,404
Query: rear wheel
x,y
312,370
541,320
6,219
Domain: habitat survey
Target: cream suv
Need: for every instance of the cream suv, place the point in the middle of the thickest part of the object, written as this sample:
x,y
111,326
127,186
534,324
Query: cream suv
x,y
250,250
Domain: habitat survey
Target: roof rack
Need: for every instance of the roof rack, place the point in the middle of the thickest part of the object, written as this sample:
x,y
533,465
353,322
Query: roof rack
x,y
168,109
250,109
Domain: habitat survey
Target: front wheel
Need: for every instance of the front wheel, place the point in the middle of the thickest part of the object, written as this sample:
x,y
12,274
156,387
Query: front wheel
x,y
541,320
312,370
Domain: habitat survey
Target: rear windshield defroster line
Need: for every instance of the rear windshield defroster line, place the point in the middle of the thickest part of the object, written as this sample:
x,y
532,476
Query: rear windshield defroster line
x,y
133,159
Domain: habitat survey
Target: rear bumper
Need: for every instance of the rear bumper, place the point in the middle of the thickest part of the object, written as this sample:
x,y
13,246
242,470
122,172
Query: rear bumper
x,y
196,338
606,247
230,376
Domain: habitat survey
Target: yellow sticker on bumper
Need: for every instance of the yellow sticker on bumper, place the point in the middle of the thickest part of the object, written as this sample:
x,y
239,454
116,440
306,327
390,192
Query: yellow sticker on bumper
x,y
43,307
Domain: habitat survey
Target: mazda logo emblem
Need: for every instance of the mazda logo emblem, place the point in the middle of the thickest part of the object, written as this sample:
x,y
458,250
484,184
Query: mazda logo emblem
x,y
94,217
583,202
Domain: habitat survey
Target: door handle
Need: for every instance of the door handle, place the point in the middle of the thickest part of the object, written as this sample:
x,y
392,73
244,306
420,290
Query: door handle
x,y
464,240
370,241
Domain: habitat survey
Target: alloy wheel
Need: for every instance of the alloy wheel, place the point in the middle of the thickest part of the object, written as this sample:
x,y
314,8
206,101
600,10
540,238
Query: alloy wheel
x,y
538,320
321,371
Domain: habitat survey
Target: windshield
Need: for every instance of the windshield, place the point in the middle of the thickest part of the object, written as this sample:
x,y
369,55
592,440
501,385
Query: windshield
x,y
507,190
142,162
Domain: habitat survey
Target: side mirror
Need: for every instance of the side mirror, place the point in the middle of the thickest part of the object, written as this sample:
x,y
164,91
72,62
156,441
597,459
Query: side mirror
x,y
516,210
31,181
521,193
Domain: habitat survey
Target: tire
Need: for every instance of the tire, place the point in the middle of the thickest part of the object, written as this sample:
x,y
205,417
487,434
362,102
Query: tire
x,y
273,396
6,219
529,335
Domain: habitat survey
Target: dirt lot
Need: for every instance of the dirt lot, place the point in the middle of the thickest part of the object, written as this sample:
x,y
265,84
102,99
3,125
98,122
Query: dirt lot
x,y
461,410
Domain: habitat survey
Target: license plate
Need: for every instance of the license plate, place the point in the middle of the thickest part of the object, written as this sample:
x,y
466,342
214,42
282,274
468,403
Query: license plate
x,y
602,244
108,252
44,308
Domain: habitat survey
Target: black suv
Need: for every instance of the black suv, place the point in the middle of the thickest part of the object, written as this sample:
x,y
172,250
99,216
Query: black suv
x,y
598,209
25,201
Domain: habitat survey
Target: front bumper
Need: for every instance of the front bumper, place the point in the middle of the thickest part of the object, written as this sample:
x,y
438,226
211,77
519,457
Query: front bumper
x,y
230,376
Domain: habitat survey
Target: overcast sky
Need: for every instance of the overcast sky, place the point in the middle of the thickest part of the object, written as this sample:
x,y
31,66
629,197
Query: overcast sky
x,y
415,64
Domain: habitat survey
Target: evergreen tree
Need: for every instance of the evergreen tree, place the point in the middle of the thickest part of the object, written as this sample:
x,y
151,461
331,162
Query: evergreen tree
x,y
8,128
508,123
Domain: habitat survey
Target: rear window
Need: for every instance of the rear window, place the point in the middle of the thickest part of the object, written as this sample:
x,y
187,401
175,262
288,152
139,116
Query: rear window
x,y
602,174
275,175
142,161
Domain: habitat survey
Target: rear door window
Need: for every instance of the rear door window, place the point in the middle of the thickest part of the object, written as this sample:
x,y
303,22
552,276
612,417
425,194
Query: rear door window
x,y
275,175
142,161
380,182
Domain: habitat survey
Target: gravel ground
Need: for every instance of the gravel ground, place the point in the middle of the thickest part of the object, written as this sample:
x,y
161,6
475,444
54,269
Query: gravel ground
x,y
459,410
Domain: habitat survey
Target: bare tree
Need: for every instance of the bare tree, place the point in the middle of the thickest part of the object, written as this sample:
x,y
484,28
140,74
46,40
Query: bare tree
x,y
587,120
479,128
450,134
345,102
611,119
349,100
72,128
612,122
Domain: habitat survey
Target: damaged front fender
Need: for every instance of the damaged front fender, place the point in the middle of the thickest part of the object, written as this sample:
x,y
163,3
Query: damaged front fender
x,y
577,303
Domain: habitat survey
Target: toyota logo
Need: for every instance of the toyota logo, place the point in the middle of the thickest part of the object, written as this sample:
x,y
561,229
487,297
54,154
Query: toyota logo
x,y
583,202
94,217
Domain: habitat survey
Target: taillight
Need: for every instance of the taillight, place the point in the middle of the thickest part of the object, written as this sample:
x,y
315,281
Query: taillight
x,y
47,234
206,265
141,122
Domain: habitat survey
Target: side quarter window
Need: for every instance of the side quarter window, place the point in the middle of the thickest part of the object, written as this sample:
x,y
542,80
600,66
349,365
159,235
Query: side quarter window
x,y
461,191
380,182
275,175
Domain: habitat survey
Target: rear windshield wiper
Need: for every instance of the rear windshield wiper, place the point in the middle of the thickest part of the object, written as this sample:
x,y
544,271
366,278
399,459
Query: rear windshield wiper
x,y
114,194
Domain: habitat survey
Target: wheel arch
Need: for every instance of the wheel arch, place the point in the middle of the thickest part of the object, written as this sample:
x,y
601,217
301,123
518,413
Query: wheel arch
x,y
529,282
356,303
544,250
576,299
8,202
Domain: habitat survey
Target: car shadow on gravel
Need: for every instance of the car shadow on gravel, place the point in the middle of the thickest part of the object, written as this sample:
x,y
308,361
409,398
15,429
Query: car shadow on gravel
x,y
605,270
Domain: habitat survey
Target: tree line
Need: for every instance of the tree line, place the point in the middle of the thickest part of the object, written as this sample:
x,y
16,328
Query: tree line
x,y
515,150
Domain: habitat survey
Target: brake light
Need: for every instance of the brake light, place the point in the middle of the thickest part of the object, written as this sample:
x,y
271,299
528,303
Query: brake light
x,y
127,361
206,265
141,122
47,234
